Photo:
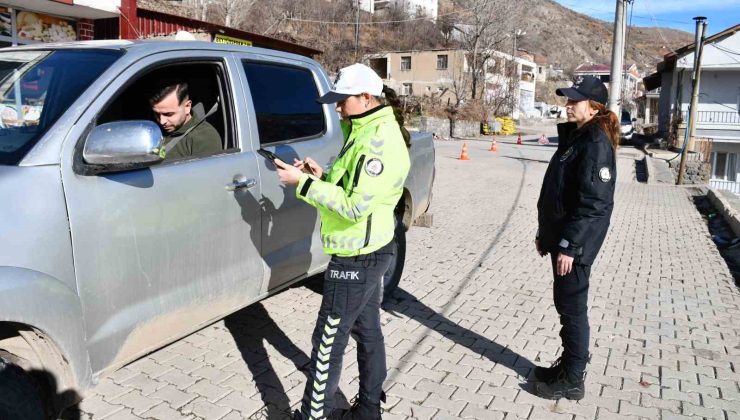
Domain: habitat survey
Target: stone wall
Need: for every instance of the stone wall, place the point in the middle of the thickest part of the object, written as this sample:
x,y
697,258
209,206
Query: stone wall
x,y
465,129
441,127
697,172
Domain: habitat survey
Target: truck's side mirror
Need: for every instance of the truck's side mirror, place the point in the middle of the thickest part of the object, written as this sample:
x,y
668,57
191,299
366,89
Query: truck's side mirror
x,y
122,146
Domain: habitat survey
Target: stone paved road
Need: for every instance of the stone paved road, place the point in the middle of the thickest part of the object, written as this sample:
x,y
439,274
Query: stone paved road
x,y
475,314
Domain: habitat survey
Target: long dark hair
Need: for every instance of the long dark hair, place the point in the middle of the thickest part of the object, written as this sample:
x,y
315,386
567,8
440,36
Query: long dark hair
x,y
608,122
392,99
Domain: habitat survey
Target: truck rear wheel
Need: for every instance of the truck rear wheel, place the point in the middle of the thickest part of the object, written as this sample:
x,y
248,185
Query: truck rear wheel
x,y
19,398
393,276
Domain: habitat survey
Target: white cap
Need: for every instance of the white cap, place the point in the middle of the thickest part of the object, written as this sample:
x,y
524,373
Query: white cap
x,y
354,80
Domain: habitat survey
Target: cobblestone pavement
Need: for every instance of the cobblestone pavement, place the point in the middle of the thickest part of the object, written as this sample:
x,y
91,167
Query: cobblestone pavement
x,y
475,314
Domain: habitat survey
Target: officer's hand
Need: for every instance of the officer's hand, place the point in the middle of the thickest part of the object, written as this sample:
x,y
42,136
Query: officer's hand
x,y
564,264
289,175
539,250
309,166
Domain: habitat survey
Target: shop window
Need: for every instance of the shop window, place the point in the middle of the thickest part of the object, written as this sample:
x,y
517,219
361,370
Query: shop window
x,y
284,99
19,27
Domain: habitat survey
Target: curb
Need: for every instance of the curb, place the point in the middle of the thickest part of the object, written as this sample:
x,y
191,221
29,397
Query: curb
x,y
728,205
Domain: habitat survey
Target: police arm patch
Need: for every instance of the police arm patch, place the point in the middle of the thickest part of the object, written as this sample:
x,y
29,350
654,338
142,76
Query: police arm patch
x,y
374,167
605,175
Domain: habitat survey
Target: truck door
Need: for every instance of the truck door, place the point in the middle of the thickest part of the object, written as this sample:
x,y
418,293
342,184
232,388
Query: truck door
x,y
286,119
160,252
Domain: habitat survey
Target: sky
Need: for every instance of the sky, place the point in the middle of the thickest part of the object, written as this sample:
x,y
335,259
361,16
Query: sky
x,y
677,14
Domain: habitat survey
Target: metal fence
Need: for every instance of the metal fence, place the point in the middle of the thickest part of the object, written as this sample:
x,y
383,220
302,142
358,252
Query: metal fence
x,y
725,185
715,117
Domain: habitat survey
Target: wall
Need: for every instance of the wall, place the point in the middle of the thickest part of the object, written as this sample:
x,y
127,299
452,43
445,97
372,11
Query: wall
x,y
697,172
440,127
424,76
85,30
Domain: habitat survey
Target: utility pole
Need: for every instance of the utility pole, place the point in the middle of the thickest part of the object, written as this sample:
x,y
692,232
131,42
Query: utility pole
x,y
701,27
357,31
615,84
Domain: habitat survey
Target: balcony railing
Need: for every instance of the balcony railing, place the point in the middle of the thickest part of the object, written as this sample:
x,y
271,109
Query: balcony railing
x,y
731,186
715,117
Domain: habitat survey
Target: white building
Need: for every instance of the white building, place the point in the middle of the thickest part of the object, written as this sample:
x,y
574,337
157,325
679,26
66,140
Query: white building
x,y
718,115
428,8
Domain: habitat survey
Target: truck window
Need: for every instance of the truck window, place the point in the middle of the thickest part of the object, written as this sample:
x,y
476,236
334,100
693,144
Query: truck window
x,y
284,99
198,85
36,87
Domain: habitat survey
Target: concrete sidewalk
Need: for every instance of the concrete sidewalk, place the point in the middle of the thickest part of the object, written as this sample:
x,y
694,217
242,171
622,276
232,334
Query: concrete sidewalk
x,y
475,315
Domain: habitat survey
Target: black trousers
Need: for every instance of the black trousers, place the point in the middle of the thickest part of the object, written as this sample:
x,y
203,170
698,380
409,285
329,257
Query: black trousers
x,y
350,306
570,293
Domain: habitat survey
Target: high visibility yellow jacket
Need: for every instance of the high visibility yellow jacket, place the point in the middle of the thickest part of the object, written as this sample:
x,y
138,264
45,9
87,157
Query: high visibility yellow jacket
x,y
357,197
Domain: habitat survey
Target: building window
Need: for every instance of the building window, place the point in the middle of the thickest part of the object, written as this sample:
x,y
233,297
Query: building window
x,y
605,78
407,89
406,63
724,166
442,62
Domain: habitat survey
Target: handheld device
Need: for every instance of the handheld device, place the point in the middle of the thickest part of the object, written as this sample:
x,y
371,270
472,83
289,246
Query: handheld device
x,y
268,154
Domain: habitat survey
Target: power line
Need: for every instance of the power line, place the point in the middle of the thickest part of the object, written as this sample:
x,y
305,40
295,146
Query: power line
x,y
391,21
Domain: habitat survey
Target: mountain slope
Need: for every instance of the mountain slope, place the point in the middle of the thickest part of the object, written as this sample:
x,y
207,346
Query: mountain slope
x,y
567,38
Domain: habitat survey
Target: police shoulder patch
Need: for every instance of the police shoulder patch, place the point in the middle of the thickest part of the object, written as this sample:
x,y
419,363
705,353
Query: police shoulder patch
x,y
374,167
605,175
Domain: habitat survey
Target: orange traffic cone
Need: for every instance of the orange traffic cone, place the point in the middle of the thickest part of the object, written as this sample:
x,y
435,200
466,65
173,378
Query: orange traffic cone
x,y
519,139
543,140
493,146
464,154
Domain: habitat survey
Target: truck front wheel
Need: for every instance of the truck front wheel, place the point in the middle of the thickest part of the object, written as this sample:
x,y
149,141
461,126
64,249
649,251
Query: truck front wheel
x,y
19,398
393,276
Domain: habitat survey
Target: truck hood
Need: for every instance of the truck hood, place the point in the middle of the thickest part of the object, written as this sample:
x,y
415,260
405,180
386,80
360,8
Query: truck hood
x,y
33,222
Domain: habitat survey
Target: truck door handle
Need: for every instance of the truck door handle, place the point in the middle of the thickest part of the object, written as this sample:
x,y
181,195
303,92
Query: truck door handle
x,y
241,182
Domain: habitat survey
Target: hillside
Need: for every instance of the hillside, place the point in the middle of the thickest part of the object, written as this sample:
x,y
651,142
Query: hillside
x,y
562,36
567,38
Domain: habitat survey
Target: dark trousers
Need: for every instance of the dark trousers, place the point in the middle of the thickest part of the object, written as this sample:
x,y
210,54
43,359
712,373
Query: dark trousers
x,y
351,305
570,293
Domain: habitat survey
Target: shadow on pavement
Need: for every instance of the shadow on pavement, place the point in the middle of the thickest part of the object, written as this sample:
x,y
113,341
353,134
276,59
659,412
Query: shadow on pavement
x,y
251,328
403,302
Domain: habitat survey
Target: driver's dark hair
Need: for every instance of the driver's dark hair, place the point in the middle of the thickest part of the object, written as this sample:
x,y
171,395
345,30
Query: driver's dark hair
x,y
164,89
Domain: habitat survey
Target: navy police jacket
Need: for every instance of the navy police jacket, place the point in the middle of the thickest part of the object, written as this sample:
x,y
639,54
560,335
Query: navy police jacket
x,y
577,196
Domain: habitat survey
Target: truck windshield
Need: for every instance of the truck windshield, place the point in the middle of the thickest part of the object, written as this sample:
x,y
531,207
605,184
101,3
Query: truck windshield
x,y
36,87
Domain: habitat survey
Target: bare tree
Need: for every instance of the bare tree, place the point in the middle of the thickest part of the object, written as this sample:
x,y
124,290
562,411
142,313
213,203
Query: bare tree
x,y
483,27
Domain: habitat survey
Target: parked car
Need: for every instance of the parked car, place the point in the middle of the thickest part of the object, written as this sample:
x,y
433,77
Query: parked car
x,y
627,128
110,252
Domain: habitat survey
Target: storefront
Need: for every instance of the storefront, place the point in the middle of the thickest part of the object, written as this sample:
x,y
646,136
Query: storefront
x,y
33,21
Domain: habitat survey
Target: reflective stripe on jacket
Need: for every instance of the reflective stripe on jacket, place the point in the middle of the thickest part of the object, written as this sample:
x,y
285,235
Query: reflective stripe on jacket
x,y
358,196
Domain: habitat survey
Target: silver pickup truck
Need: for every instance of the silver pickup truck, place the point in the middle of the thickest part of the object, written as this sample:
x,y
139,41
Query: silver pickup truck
x,y
107,250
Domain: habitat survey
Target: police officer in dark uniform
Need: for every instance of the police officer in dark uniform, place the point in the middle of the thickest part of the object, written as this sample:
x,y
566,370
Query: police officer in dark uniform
x,y
574,210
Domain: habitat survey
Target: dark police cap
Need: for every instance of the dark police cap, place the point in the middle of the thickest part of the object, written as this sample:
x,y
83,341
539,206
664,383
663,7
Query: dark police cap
x,y
586,87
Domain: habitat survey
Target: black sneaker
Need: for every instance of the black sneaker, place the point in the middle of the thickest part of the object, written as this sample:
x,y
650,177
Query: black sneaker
x,y
546,374
564,385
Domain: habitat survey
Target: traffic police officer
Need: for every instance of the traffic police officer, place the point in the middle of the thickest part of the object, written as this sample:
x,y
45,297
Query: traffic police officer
x,y
574,209
356,200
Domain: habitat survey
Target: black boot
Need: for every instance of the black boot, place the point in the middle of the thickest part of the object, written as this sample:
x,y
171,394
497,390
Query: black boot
x,y
546,374
564,385
361,410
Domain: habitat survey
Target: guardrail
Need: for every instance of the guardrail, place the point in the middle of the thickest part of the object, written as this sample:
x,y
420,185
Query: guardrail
x,y
720,184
